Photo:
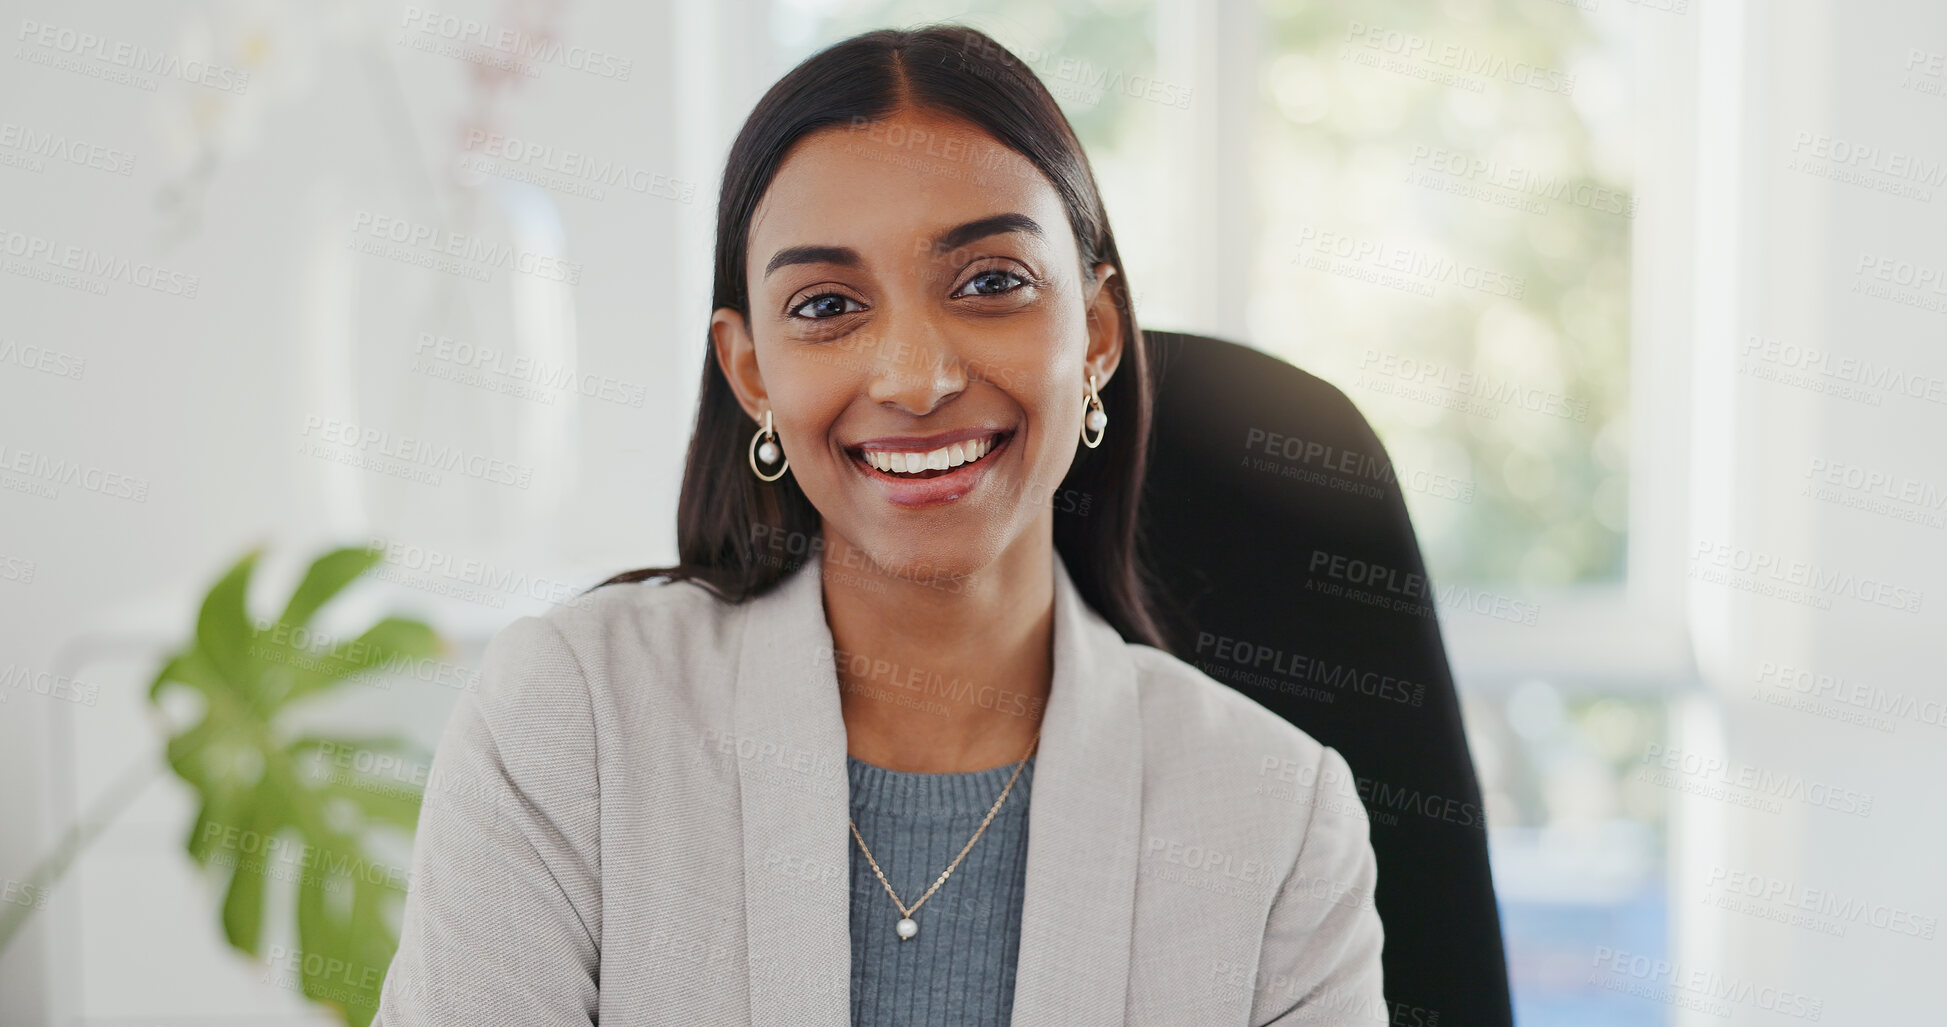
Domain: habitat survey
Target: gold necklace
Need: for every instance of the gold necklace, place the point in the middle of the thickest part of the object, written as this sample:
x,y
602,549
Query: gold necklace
x,y
907,926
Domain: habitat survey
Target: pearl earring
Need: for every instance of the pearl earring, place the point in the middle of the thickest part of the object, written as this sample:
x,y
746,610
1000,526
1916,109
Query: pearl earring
x,y
1097,419
763,447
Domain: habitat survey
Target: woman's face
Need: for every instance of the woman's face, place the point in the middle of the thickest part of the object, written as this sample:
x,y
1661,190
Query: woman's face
x,y
916,297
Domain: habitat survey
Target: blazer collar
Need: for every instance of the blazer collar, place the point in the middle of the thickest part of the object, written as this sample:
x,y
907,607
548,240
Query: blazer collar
x,y
1083,818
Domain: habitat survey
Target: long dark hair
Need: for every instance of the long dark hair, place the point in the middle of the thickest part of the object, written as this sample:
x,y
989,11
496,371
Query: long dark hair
x,y
740,537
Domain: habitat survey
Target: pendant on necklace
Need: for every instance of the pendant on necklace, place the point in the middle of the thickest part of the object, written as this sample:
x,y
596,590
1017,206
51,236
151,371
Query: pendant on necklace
x,y
907,928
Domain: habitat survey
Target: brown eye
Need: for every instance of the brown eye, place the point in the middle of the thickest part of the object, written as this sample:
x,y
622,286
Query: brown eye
x,y
828,305
992,282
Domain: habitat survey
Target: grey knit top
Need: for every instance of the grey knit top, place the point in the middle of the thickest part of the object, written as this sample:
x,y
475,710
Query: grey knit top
x,y
959,969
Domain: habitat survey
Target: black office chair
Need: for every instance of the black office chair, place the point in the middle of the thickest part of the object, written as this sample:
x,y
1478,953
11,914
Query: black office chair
x,y
1282,539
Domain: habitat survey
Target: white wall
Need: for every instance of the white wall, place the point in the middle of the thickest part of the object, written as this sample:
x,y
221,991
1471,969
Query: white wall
x,y
205,400
1782,246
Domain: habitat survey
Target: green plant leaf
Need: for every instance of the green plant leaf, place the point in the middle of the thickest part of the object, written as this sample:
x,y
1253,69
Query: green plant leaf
x,y
399,745
389,640
243,904
218,810
339,915
223,629
315,935
328,575
253,785
190,667
372,943
381,776
384,802
188,754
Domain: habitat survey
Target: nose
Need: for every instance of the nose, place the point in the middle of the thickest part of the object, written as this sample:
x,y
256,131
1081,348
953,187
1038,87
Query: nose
x,y
916,367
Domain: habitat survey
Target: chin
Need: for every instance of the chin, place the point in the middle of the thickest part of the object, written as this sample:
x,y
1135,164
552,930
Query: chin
x,y
925,562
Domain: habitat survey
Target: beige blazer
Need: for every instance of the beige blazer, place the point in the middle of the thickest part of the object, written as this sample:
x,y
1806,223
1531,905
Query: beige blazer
x,y
641,818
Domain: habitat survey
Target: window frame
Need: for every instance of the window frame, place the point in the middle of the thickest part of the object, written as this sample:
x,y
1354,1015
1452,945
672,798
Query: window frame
x,y
1633,637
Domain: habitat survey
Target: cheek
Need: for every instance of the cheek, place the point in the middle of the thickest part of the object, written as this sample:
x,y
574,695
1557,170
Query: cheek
x,y
1034,362
807,396
1055,416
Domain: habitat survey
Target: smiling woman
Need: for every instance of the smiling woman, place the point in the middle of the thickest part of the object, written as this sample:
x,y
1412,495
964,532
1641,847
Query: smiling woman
x,y
909,574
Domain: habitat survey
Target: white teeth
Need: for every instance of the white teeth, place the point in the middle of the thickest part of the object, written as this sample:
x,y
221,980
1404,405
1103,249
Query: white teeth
x,y
940,459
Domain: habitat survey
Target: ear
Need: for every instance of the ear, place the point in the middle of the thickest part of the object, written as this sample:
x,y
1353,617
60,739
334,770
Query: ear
x,y
1105,323
736,354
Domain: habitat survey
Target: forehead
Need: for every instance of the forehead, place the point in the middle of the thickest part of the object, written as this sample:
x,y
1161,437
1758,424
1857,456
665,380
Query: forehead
x,y
884,185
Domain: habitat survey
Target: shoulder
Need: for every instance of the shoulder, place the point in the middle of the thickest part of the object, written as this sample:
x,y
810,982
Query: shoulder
x,y
630,632
1204,717
1198,729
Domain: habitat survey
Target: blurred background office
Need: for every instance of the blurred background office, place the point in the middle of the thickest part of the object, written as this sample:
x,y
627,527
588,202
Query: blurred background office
x,y
1644,297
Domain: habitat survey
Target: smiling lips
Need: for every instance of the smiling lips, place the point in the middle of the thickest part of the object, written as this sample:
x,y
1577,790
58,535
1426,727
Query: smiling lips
x,y
925,471
917,463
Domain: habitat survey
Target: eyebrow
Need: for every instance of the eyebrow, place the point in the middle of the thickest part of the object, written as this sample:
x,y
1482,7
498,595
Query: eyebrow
x,y
952,238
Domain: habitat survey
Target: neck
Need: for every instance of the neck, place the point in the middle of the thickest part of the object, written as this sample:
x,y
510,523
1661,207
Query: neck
x,y
947,675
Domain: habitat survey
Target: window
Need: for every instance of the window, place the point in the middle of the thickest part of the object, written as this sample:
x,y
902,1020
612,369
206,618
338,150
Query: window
x,y
1446,230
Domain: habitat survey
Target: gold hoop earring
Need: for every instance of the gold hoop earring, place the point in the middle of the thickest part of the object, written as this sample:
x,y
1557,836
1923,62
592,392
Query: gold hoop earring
x,y
768,451
1096,420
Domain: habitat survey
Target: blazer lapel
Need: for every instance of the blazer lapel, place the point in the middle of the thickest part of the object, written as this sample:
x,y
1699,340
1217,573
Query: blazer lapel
x,y
796,802
1083,818
1084,823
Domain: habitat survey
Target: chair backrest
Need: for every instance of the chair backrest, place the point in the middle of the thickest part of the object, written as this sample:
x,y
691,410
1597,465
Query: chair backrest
x,y
1278,530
